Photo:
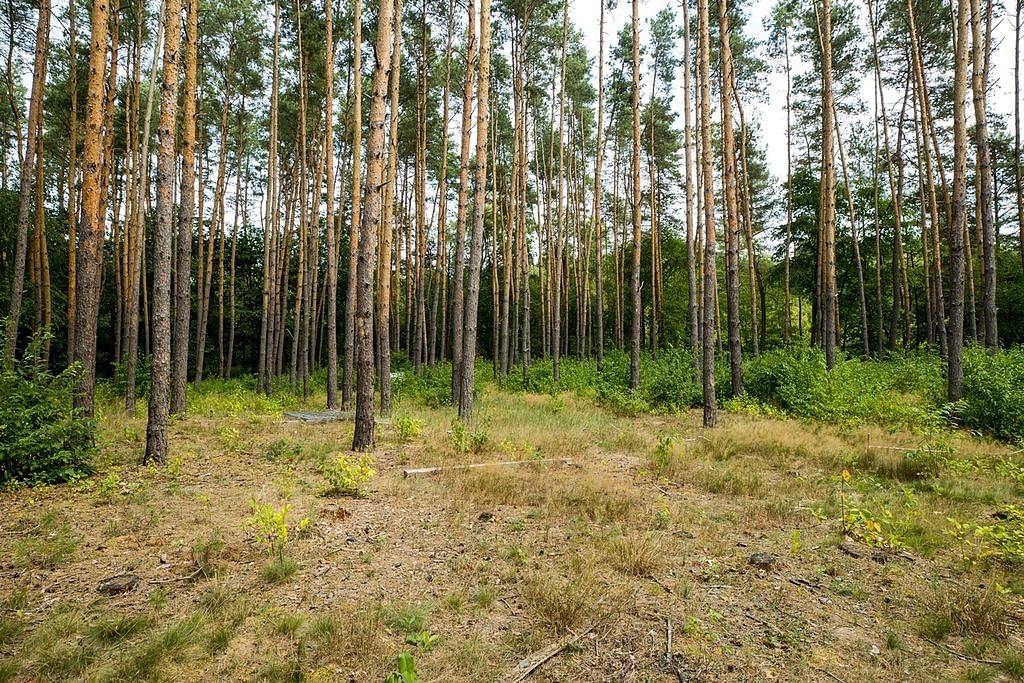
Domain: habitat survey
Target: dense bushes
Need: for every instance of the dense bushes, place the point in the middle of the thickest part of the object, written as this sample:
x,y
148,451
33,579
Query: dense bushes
x,y
993,399
899,391
42,439
907,391
896,392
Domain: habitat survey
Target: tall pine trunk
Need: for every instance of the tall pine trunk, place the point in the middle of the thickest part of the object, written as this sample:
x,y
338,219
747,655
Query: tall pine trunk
x,y
156,428
186,216
476,245
363,437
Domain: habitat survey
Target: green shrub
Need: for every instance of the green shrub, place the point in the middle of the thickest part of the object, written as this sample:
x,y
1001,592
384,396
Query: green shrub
x,y
408,427
993,398
346,474
43,439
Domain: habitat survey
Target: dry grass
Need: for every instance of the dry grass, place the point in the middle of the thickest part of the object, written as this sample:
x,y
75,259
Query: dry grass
x,y
955,610
641,555
497,563
562,603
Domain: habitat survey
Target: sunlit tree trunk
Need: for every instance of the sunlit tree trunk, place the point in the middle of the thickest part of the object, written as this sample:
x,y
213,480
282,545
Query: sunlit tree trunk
x,y
91,229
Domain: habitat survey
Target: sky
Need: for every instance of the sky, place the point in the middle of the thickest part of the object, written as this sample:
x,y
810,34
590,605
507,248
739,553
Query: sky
x,y
770,113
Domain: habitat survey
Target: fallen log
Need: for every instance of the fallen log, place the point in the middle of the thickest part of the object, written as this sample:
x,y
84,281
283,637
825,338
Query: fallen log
x,y
429,471
535,660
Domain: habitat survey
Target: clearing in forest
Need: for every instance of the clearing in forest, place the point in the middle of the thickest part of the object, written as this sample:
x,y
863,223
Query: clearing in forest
x,y
768,549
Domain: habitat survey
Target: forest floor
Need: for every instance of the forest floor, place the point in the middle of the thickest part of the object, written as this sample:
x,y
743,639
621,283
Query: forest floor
x,y
661,553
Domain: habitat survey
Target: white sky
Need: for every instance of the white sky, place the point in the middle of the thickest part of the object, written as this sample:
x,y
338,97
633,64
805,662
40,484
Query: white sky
x,y
770,114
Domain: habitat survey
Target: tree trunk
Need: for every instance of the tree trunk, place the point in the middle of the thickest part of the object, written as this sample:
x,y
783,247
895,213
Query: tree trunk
x,y
827,204
387,225
732,229
363,438
156,428
458,286
955,373
483,84
186,216
72,173
32,159
708,205
270,225
634,349
355,222
984,211
91,229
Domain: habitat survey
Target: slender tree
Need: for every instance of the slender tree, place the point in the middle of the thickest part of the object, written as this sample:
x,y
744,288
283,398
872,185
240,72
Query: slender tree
x,y
827,194
186,214
708,206
634,348
89,255
160,375
732,222
985,208
955,372
476,246
363,437
32,159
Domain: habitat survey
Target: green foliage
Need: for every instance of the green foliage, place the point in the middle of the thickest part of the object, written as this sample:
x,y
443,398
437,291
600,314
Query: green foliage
x,y
408,427
897,392
993,398
424,640
432,386
271,526
43,439
346,474
1001,541
466,441
405,670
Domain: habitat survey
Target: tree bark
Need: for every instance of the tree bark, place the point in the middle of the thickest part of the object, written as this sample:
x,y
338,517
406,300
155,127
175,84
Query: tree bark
x,y
458,285
983,163
635,331
186,216
156,428
729,179
363,437
91,229
708,206
31,159
955,372
827,197
355,222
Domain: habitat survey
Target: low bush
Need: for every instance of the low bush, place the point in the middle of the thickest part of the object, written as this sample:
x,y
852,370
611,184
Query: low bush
x,y
43,439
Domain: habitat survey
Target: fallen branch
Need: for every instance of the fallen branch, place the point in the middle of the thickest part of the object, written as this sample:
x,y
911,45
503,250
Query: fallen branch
x,y
831,675
191,576
960,655
535,660
428,471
